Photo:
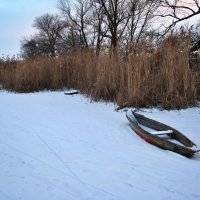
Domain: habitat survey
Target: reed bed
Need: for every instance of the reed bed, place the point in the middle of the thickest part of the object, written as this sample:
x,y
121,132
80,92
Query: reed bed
x,y
160,77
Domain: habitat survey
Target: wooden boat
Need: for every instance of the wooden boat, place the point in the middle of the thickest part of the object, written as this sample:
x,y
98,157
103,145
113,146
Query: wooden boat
x,y
185,147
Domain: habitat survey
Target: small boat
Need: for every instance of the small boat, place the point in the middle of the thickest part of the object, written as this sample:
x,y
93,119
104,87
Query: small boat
x,y
164,136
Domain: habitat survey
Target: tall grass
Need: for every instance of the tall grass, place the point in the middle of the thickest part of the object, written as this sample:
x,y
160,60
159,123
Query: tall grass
x,y
160,78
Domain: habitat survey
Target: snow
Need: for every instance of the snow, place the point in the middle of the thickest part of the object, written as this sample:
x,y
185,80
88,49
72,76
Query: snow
x,y
60,147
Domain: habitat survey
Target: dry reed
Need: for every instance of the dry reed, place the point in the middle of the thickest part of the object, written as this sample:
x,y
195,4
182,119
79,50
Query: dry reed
x,y
160,78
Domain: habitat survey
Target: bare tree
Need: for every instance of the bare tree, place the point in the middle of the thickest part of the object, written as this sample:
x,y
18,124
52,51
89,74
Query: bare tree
x,y
141,16
70,40
126,21
108,21
117,17
79,18
50,28
30,48
176,11
100,29
34,47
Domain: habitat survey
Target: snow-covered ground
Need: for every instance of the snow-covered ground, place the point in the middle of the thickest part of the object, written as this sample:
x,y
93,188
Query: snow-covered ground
x,y
60,147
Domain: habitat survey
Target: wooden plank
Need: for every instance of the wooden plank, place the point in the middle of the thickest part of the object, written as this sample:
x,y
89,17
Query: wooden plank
x,y
167,132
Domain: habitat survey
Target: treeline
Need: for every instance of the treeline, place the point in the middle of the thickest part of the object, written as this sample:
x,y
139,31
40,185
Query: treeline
x,y
103,24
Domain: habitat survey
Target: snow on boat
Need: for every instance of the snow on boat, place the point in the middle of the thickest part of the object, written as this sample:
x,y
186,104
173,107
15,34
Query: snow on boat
x,y
183,145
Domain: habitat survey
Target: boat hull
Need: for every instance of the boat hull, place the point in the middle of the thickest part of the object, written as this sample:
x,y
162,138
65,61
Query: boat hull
x,y
158,141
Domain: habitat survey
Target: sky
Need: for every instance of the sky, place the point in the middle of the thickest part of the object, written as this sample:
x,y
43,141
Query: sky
x,y
16,19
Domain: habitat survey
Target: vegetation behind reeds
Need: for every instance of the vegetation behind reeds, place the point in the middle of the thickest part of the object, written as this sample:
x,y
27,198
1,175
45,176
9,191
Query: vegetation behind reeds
x,y
160,77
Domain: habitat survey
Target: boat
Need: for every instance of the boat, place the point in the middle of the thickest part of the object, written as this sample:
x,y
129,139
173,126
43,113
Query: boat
x,y
164,136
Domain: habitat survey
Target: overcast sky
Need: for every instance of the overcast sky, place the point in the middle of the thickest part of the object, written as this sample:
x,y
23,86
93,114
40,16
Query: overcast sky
x,y
16,19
